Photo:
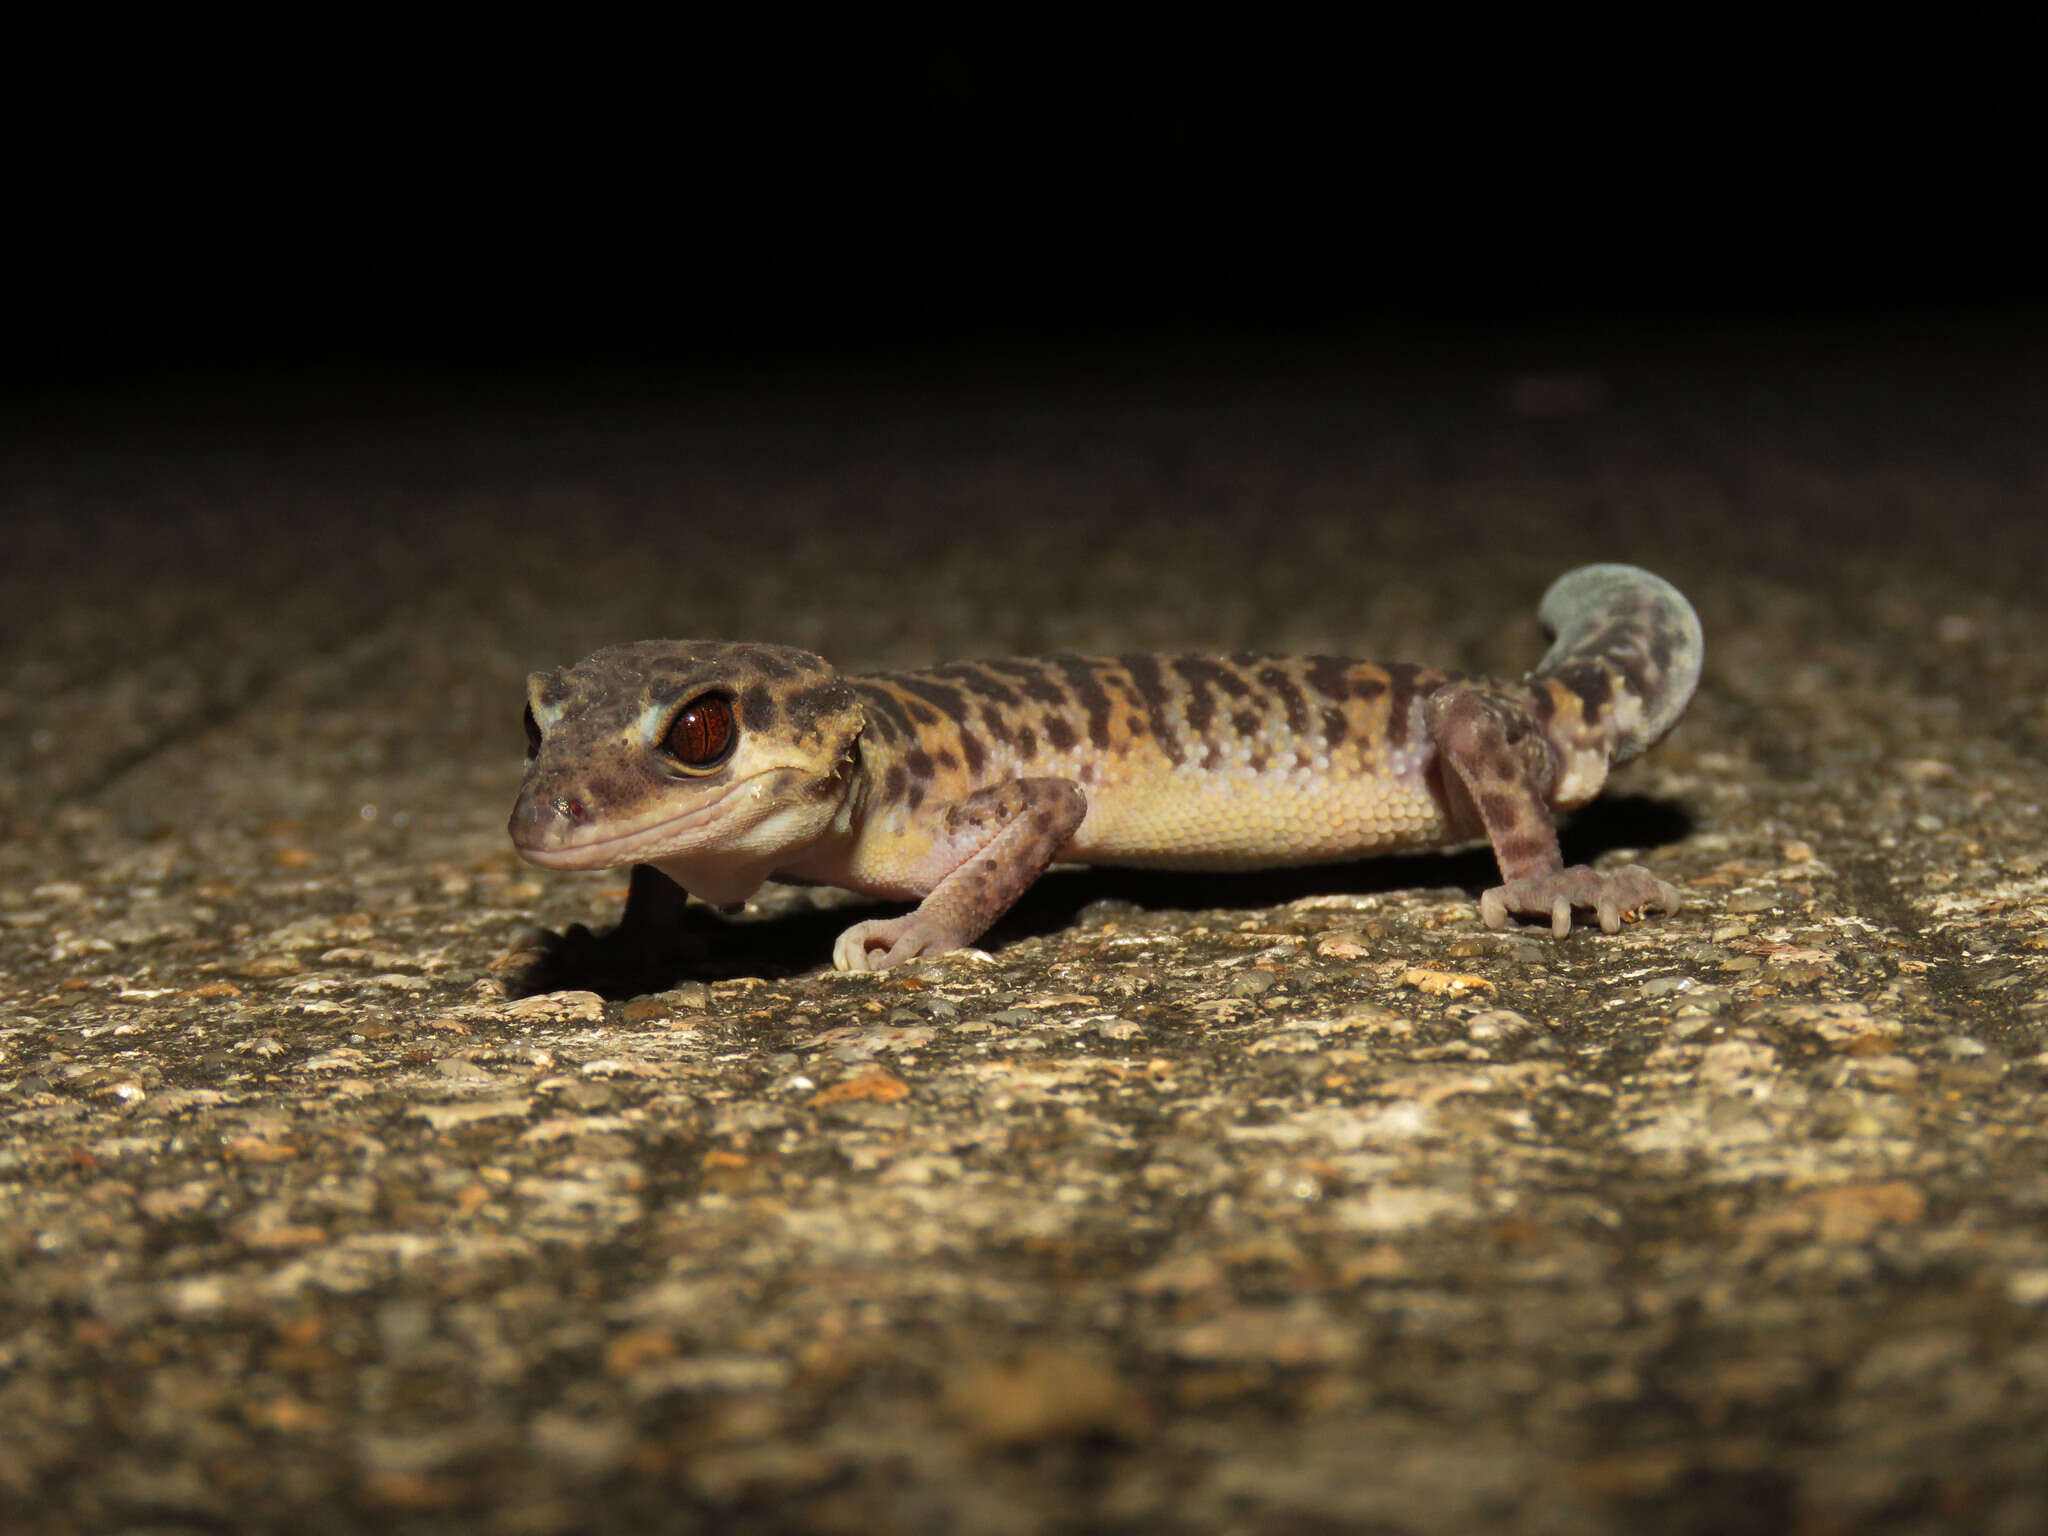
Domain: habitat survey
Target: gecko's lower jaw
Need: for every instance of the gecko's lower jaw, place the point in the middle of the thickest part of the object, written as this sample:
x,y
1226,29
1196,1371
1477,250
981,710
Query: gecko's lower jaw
x,y
598,853
551,834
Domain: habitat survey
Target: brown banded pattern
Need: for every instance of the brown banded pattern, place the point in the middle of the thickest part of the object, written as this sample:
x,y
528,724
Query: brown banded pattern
x,y
1228,750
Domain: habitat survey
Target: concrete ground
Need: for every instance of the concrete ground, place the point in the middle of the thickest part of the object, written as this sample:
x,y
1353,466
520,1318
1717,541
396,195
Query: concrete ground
x,y
334,1197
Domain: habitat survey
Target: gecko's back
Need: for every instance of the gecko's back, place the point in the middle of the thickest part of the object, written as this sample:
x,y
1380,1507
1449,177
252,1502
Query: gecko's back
x,y
1187,762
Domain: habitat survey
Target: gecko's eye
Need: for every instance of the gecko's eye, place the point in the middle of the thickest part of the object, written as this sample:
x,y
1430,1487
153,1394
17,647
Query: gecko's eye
x,y
532,735
702,734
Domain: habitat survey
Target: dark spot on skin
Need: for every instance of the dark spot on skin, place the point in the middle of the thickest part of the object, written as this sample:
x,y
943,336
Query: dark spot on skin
x,y
1613,641
947,700
758,708
1258,760
1368,687
882,728
946,760
1058,734
1085,682
883,703
1098,731
997,726
979,680
611,790
971,749
1402,681
1197,669
1330,676
1283,688
1041,823
1336,725
1032,679
916,796
894,782
1638,676
1499,810
1145,680
1246,722
923,713
1200,708
1593,683
1150,686
919,762
1027,743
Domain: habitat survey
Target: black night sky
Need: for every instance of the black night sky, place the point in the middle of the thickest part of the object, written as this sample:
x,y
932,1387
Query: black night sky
x,y
418,220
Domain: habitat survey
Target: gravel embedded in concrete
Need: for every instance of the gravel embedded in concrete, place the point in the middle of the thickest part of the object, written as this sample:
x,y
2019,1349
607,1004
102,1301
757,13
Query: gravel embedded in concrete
x,y
338,1194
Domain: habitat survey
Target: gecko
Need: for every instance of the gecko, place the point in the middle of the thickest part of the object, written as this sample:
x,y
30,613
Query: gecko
x,y
726,764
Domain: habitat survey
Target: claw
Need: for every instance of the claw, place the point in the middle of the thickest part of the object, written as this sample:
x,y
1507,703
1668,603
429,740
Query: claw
x,y
1610,899
885,943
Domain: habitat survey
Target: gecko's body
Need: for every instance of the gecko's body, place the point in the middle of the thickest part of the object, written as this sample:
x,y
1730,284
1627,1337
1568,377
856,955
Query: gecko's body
x,y
724,765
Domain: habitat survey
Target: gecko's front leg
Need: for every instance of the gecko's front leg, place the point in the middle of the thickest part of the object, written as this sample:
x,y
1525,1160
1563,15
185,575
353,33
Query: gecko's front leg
x,y
992,845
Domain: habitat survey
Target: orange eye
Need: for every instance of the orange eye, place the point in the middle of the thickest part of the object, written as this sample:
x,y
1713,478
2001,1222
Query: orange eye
x,y
702,736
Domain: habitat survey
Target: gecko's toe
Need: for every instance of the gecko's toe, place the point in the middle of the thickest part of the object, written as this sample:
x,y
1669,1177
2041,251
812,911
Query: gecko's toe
x,y
1610,898
852,952
882,944
905,948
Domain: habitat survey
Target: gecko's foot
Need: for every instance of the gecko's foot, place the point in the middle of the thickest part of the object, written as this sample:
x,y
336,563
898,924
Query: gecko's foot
x,y
884,942
1610,897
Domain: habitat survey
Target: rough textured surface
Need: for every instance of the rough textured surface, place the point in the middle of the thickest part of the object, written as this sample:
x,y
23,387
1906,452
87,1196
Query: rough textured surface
x,y
1263,1203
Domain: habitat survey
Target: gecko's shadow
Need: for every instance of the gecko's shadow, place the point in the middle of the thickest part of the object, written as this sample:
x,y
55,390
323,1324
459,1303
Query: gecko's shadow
x,y
661,940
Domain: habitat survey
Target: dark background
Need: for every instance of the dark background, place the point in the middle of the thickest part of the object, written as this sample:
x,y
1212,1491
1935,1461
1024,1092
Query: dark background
x,y
264,217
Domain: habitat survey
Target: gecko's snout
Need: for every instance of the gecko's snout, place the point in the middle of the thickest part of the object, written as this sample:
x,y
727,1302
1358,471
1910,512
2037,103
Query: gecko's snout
x,y
541,821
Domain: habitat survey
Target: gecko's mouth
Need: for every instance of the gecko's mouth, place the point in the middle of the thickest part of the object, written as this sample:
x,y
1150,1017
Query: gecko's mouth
x,y
533,822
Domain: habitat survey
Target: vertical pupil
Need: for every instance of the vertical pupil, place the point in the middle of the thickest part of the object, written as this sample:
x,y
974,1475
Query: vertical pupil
x,y
702,732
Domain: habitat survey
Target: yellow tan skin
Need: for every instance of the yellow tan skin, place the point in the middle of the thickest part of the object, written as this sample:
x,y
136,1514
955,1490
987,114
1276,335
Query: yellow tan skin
x,y
723,765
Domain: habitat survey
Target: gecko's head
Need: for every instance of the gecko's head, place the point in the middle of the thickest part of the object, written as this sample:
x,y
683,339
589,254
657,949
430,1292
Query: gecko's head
x,y
682,749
